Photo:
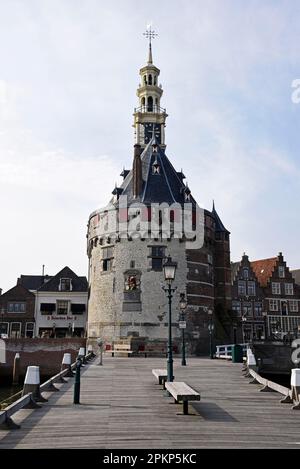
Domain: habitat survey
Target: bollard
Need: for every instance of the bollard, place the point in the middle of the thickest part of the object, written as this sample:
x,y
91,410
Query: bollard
x,y
81,354
66,363
16,370
295,385
32,384
100,345
76,399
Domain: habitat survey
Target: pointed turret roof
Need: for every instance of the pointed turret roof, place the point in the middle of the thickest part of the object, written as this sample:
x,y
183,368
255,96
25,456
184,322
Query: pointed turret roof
x,y
158,187
219,225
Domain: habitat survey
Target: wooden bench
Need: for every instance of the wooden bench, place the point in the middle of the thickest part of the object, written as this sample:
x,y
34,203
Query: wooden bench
x,y
161,375
123,349
148,350
182,393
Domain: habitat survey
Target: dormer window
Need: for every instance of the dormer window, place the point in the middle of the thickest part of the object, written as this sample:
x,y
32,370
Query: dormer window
x,y
65,284
155,167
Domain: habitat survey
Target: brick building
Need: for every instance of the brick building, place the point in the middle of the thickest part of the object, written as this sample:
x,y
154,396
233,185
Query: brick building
x,y
266,297
17,310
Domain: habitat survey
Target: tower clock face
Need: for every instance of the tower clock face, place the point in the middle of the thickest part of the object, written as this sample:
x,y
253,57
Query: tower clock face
x,y
151,128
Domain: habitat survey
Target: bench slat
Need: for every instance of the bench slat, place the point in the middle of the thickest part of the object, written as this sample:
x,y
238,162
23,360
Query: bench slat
x,y
181,391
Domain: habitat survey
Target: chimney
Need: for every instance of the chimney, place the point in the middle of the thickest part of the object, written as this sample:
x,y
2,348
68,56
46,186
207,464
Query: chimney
x,y
137,171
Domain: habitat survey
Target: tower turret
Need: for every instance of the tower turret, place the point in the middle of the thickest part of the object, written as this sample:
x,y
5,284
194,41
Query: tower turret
x,y
149,117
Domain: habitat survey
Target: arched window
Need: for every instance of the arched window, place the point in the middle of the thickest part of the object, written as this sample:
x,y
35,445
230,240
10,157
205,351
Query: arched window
x,y
155,80
143,102
145,80
150,79
150,104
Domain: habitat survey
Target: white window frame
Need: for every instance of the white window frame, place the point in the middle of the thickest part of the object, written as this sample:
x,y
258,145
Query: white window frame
x,y
253,288
273,305
281,271
60,283
26,328
276,288
11,331
294,306
289,289
14,303
57,307
242,283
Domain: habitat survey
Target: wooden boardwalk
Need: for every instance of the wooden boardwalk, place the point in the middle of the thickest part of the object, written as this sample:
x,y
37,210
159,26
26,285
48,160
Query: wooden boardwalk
x,y
123,407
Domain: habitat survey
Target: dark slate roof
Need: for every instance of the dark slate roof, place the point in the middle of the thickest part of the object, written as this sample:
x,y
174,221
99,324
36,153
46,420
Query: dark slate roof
x,y
33,282
219,225
79,284
296,275
167,186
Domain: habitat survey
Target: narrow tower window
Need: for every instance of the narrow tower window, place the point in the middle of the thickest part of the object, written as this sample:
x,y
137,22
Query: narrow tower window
x,y
150,104
150,79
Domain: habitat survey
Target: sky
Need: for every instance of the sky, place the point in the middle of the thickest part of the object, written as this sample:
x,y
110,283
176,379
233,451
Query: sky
x,y
68,80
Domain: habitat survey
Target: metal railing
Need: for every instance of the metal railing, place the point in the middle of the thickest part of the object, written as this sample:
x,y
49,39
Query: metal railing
x,y
152,109
225,351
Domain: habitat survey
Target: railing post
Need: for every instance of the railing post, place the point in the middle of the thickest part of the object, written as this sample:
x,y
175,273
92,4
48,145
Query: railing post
x,y
76,399
32,384
66,363
16,370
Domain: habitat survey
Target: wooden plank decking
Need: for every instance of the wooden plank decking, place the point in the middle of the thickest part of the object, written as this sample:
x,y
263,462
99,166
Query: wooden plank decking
x,y
123,407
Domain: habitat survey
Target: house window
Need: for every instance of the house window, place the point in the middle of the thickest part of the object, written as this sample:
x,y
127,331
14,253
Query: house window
x,y
294,308
251,288
273,304
4,328
47,308
15,330
247,309
77,308
16,307
242,288
157,255
236,306
65,284
246,274
281,271
289,288
258,309
276,289
29,328
107,259
62,307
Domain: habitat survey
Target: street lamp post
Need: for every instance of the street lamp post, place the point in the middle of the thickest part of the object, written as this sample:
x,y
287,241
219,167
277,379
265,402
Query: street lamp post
x,y
169,268
182,325
244,319
210,328
2,321
265,314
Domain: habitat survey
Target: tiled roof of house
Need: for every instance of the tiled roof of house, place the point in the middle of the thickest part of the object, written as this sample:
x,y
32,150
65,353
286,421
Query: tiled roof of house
x,y
263,269
33,282
79,284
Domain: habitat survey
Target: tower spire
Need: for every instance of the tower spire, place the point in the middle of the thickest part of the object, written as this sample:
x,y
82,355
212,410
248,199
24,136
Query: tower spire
x,y
150,34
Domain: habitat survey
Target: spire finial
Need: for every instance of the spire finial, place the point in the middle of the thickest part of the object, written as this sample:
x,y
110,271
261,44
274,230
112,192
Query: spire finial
x,y
150,34
214,205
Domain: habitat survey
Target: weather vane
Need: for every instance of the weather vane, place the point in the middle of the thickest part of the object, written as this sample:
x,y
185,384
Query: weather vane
x,y
150,34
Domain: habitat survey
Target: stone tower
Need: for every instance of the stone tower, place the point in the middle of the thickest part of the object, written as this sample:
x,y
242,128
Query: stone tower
x,y
151,215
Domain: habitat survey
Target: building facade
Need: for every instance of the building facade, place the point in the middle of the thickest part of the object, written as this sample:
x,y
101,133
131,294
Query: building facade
x,y
17,310
266,297
126,299
61,305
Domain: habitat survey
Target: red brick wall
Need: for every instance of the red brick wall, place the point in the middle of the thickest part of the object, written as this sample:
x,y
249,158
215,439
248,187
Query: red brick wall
x,y
45,353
